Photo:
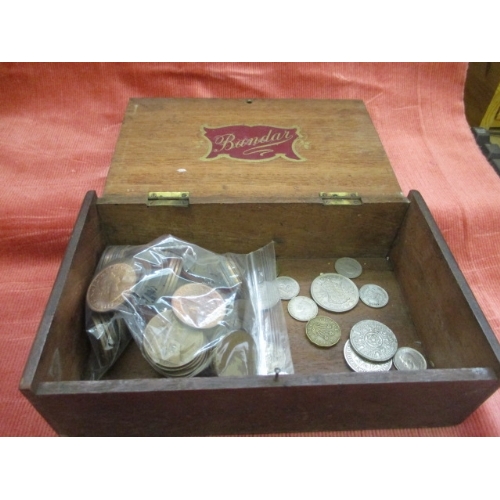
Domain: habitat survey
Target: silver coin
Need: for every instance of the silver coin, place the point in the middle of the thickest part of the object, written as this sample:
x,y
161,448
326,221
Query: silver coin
x,y
407,358
334,292
373,296
266,295
287,287
358,364
373,340
350,268
302,308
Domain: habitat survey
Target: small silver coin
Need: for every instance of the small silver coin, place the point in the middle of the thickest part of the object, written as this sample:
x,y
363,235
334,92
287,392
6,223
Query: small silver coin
x,y
302,308
350,268
373,340
266,295
287,287
407,358
358,364
334,292
373,296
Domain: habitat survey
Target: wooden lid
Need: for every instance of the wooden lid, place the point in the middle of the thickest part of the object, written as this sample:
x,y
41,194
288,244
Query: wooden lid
x,y
237,150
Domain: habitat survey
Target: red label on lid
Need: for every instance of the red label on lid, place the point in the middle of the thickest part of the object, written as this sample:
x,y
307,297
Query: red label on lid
x,y
252,143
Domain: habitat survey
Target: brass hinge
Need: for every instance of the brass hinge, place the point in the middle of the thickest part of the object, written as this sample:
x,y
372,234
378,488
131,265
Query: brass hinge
x,y
340,198
169,198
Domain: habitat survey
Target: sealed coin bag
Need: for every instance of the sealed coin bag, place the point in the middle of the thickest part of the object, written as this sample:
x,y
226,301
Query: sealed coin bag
x,y
106,329
194,312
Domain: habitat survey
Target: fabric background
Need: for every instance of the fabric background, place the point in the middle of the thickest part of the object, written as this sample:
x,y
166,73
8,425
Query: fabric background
x,y
59,124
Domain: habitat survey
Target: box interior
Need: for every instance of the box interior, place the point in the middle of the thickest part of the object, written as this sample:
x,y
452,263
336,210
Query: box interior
x,y
392,241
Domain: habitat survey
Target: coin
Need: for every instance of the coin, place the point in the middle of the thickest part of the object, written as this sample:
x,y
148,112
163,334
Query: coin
x,y
358,364
106,290
198,305
407,358
323,331
170,344
302,308
287,287
350,268
373,296
373,340
334,292
235,355
266,295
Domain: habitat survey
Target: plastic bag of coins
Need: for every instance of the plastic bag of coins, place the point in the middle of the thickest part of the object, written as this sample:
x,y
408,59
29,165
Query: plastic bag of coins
x,y
194,312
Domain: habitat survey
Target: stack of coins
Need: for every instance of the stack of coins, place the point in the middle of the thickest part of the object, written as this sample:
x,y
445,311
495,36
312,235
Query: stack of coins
x,y
108,335
373,346
113,254
159,281
173,348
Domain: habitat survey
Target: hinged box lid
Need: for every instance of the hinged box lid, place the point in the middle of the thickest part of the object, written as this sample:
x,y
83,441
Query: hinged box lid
x,y
249,150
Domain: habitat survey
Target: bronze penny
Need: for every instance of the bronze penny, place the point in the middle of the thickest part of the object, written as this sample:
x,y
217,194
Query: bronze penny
x,y
198,305
105,293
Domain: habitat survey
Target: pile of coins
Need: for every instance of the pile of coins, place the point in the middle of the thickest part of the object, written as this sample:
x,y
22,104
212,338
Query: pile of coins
x,y
372,346
182,311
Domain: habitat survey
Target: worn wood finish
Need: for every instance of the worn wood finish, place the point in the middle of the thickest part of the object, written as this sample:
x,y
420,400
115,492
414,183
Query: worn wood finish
x,y
161,148
59,350
308,230
323,394
199,407
451,325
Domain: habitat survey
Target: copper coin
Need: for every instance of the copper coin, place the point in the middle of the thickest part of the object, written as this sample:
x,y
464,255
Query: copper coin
x,y
105,292
198,305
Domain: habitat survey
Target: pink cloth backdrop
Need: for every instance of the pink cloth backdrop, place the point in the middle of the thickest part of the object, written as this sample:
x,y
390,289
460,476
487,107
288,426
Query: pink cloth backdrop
x,y
59,124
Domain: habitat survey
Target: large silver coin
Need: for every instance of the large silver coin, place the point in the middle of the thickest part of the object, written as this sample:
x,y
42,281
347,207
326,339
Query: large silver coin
x,y
373,340
350,268
407,358
334,292
373,296
302,308
358,364
287,287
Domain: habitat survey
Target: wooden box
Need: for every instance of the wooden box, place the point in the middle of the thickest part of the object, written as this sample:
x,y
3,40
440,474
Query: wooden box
x,y
312,177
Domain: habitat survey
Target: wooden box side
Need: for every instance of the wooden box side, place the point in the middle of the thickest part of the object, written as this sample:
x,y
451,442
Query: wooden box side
x,y
307,230
59,350
263,405
453,329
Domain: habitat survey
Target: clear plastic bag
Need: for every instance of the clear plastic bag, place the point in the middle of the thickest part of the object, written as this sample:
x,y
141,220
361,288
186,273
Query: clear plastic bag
x,y
194,312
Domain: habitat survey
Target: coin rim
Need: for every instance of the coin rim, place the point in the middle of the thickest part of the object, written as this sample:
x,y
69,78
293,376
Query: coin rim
x,y
364,360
